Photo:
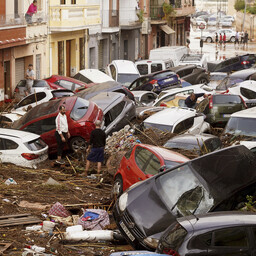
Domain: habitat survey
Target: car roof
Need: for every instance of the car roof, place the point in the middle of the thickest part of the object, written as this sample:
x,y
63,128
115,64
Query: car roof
x,y
125,67
181,67
217,220
95,75
18,134
170,116
192,139
247,113
156,73
166,153
58,77
105,99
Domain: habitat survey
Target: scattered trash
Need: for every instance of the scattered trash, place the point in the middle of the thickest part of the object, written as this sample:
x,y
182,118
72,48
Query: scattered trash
x,y
34,228
6,200
59,210
96,235
48,226
10,181
74,229
38,206
18,219
52,182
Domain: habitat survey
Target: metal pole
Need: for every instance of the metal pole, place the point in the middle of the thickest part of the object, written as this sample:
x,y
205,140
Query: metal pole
x,y
200,40
245,3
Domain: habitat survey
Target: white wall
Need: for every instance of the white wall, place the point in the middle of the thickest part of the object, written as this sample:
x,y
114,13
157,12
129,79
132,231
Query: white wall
x,y
128,11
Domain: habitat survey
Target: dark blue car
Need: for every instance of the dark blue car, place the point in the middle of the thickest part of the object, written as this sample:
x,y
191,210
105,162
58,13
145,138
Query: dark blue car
x,y
232,64
156,82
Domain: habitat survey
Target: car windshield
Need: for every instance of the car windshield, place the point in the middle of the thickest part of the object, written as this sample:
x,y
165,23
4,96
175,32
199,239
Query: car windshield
x,y
170,164
127,79
80,108
217,77
183,193
225,99
162,127
228,82
241,126
179,145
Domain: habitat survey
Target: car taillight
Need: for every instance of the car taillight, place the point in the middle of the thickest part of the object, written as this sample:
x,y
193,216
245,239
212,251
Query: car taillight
x,y
153,82
29,156
210,103
163,104
170,252
245,62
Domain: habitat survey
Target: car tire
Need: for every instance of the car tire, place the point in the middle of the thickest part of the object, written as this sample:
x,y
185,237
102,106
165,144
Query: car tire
x,y
232,39
78,143
208,39
202,80
117,188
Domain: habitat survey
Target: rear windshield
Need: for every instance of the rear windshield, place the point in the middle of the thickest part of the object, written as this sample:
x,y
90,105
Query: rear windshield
x,y
80,108
164,74
35,145
143,69
241,126
191,58
224,99
40,110
40,83
59,94
127,79
166,128
179,145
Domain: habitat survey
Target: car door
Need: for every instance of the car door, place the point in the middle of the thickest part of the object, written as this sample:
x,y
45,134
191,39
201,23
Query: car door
x,y
230,242
142,84
188,76
9,151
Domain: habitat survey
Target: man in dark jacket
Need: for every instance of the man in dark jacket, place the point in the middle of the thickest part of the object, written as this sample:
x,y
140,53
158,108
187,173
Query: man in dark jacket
x,y
192,98
97,144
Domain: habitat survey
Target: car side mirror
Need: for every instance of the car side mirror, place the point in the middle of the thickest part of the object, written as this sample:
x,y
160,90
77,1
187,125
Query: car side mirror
x,y
162,168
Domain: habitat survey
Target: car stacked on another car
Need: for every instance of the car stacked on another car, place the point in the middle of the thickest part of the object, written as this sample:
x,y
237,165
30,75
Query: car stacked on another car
x,y
194,59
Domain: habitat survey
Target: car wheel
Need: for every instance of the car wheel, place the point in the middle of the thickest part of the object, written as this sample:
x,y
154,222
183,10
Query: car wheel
x,y
232,39
202,80
117,189
78,143
208,40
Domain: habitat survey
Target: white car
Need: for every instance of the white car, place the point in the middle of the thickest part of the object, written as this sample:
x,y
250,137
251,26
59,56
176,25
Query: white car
x,y
225,22
209,37
212,21
22,148
194,59
246,89
145,98
168,95
92,76
35,99
178,120
197,21
123,71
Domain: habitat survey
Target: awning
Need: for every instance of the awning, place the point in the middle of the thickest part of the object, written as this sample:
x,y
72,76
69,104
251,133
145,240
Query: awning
x,y
167,29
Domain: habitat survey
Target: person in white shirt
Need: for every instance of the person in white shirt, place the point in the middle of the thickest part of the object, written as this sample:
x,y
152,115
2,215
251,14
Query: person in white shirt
x,y
62,134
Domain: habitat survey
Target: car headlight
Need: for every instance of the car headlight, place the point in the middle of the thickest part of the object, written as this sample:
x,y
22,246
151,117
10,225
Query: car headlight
x,y
123,201
151,242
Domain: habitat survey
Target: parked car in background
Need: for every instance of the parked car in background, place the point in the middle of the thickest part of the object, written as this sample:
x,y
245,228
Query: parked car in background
x,y
38,86
150,66
232,64
198,143
246,89
250,103
219,107
111,86
225,22
216,78
245,74
192,74
199,20
226,83
81,116
118,110
220,233
92,76
144,97
123,71
199,13
210,37
177,120
156,82
194,59
178,100
212,21
7,119
22,148
63,82
213,182
35,99
142,162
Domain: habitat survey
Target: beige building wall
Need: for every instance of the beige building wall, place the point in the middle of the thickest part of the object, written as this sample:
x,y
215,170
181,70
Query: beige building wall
x,y
231,8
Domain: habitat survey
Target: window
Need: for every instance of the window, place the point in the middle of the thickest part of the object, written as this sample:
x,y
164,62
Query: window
x,y
82,78
128,153
6,144
114,7
156,67
59,94
147,98
66,84
200,242
143,69
31,99
117,110
42,126
141,157
181,103
80,108
249,94
213,144
164,75
187,71
35,145
73,1
153,165
188,123
40,83
113,71
231,237
62,1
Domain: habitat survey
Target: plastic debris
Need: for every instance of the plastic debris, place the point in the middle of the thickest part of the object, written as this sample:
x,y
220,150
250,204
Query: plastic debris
x,y
6,200
34,228
48,226
10,181
52,181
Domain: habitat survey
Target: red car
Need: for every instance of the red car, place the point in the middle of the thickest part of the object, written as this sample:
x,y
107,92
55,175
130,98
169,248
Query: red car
x,y
142,162
81,116
63,82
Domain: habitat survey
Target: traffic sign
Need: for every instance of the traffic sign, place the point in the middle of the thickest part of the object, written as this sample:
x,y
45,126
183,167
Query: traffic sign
x,y
202,26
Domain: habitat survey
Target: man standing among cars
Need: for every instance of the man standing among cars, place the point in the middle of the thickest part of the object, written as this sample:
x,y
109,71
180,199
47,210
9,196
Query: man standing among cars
x,y
62,134
96,147
246,37
30,77
190,101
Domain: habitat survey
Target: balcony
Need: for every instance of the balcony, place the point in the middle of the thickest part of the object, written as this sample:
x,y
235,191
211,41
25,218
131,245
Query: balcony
x,y
156,12
73,17
110,19
184,7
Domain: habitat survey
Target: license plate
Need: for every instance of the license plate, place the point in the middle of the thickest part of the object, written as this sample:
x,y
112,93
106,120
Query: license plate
x,y
127,232
226,115
168,80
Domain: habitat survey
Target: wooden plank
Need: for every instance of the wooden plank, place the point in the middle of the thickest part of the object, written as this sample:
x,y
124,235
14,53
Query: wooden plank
x,y
20,223
4,247
15,216
11,220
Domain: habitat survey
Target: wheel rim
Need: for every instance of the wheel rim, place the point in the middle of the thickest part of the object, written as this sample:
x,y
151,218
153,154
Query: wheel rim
x,y
79,144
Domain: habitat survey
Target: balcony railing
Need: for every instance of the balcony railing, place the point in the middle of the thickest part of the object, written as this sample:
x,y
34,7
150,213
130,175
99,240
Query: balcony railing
x,y
72,16
110,18
156,12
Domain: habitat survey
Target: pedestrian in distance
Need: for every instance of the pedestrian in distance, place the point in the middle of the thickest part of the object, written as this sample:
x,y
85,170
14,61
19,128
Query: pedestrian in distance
x,y
220,40
246,37
216,39
62,134
96,148
190,101
242,37
224,40
30,77
236,38
32,9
